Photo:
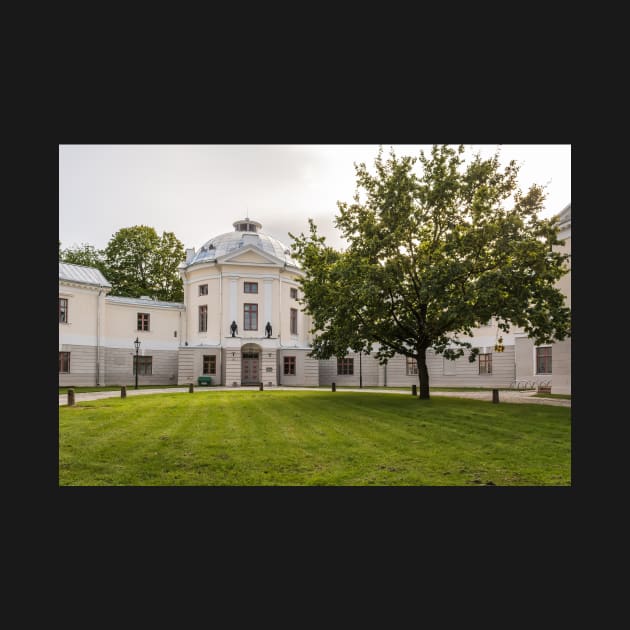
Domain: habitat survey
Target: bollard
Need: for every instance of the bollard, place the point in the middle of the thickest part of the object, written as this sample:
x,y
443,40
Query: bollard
x,y
260,387
191,388
495,395
123,391
414,390
70,397
334,387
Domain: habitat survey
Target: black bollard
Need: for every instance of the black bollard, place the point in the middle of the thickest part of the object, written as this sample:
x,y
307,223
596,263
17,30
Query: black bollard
x,y
414,390
260,387
191,388
70,397
495,395
334,387
123,392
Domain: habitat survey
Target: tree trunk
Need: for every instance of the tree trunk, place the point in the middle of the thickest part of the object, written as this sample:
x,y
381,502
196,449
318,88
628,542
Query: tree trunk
x,y
423,374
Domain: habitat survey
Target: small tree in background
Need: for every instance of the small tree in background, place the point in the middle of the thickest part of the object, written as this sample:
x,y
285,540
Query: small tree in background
x,y
140,262
86,255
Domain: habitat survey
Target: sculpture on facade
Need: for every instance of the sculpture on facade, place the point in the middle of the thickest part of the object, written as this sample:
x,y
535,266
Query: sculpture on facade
x,y
233,328
268,330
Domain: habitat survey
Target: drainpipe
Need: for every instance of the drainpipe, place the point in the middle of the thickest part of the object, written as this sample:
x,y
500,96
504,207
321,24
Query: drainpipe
x,y
222,355
98,335
280,318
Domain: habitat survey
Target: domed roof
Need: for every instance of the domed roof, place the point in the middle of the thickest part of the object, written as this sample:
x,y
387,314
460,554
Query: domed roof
x,y
246,233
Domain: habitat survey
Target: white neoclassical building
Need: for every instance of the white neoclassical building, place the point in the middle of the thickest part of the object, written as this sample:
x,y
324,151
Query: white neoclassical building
x,y
241,324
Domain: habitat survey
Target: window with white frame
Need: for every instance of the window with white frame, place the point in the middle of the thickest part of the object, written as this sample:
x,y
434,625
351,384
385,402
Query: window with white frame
x,y
293,321
250,316
143,321
203,318
62,307
543,360
209,363
289,365
345,366
144,365
412,367
485,363
64,362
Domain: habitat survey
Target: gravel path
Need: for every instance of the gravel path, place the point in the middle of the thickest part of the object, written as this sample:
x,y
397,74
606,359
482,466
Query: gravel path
x,y
504,396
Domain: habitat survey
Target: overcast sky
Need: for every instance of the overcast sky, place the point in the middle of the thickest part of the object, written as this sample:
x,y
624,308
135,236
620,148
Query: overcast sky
x,y
198,191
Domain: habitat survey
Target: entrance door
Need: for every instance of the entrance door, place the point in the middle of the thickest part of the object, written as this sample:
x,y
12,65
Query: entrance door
x,y
249,374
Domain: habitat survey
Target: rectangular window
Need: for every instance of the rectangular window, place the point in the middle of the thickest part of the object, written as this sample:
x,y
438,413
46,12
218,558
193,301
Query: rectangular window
x,y
203,318
250,317
251,287
209,363
412,367
144,366
543,360
294,321
143,321
64,362
63,310
485,363
289,365
294,294
203,289
345,366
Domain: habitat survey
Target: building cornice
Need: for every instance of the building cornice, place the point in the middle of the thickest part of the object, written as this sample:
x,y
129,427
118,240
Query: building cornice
x,y
83,285
147,304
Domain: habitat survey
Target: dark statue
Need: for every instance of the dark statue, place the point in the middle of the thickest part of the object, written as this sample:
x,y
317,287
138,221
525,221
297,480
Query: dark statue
x,y
268,330
233,328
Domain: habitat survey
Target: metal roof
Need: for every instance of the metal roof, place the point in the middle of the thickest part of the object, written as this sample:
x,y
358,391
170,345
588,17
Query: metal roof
x,y
82,274
230,242
143,302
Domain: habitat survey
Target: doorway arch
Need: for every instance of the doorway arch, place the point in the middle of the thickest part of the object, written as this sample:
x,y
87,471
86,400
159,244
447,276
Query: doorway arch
x,y
250,364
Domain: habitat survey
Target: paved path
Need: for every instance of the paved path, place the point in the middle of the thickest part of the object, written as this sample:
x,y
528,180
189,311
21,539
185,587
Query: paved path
x,y
504,396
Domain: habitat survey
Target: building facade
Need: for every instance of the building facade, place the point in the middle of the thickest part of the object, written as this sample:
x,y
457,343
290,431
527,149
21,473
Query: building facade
x,y
241,324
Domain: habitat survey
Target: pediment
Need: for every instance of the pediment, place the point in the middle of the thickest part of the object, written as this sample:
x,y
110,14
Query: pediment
x,y
250,255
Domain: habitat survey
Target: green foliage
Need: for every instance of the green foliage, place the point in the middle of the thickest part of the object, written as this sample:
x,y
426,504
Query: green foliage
x,y
252,438
140,262
86,255
431,256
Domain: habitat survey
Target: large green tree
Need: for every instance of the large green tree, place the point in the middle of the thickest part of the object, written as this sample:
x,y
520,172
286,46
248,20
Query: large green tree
x,y
140,262
431,255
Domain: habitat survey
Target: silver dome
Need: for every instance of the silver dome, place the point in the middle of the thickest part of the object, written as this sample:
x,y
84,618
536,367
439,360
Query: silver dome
x,y
230,242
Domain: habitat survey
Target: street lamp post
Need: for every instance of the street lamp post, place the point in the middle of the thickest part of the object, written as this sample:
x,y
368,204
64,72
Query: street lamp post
x,y
137,344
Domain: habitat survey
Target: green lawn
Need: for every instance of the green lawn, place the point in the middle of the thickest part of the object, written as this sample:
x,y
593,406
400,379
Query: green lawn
x,y
433,389
252,438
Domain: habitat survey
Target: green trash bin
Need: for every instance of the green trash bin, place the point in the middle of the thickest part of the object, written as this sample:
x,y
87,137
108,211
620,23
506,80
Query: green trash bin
x,y
204,380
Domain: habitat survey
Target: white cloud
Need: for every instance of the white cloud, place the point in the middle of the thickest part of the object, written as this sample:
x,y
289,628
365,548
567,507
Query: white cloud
x,y
197,191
